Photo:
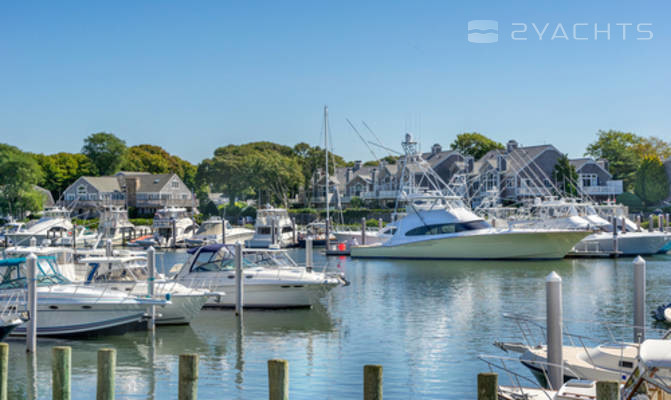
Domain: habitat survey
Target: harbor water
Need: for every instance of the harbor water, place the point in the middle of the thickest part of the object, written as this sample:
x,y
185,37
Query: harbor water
x,y
426,322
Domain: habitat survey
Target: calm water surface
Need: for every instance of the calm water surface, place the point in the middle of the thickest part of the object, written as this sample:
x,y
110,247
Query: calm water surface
x,y
424,321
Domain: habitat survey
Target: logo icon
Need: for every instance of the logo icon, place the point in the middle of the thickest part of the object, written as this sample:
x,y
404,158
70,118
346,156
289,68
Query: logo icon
x,y
483,31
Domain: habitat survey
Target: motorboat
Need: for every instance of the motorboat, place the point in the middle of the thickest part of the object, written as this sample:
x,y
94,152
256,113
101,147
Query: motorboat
x,y
54,222
650,379
67,309
442,227
129,274
377,236
83,237
164,221
7,230
10,317
316,231
210,232
273,227
271,278
114,224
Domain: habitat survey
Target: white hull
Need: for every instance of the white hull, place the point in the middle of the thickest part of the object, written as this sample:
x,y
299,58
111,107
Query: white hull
x,y
265,241
349,236
271,296
628,244
232,237
480,245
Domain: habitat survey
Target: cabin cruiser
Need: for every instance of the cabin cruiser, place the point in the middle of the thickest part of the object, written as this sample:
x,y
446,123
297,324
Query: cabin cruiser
x,y
114,224
60,302
650,379
271,278
129,274
273,227
442,227
7,230
54,222
164,220
210,232
372,237
84,237
316,231
10,317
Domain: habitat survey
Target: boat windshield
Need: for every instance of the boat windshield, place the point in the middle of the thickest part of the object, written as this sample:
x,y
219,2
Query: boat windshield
x,y
224,260
443,229
118,273
14,272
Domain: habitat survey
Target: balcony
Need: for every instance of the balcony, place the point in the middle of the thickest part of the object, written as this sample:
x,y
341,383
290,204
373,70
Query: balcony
x,y
612,188
532,191
160,203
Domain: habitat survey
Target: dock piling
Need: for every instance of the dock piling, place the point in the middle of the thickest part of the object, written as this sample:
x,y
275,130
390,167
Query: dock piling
x,y
239,281
188,377
651,223
607,390
108,248
31,329
308,254
615,241
380,225
273,234
151,280
60,372
278,380
488,386
173,223
660,219
639,299
74,237
553,291
372,382
223,231
638,223
106,366
363,230
4,364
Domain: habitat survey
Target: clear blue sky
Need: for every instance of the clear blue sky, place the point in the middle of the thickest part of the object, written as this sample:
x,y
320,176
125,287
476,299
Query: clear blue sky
x,y
194,76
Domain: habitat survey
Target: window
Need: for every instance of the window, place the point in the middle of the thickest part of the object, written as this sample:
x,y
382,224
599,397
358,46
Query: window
x,y
589,180
443,229
175,184
81,190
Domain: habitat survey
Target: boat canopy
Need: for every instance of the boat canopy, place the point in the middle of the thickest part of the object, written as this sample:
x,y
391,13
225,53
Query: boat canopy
x,y
13,272
656,353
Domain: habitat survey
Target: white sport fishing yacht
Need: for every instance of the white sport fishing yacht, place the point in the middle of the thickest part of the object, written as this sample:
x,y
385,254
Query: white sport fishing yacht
x,y
264,235
210,232
114,224
651,379
54,222
129,274
163,228
271,278
66,309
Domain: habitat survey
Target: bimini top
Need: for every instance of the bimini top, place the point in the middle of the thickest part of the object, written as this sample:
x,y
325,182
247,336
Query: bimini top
x,y
655,353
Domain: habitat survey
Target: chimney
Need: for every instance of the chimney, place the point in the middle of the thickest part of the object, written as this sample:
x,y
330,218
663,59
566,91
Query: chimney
x,y
436,148
357,165
373,172
470,164
348,172
603,163
512,145
132,186
500,163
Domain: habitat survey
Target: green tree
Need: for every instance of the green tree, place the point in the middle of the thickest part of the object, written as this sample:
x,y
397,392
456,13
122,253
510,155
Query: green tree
x,y
565,177
62,169
311,159
619,148
18,174
653,146
106,151
154,159
474,144
652,184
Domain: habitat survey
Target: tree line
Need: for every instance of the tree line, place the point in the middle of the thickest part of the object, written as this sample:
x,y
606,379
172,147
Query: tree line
x,y
274,173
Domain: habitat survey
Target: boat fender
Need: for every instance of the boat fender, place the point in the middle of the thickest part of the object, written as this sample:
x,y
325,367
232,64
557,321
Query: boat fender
x,y
167,296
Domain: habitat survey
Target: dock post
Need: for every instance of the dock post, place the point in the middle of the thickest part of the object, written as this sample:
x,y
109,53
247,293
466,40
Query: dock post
x,y
151,269
651,223
638,223
108,248
308,254
106,366
60,372
239,281
372,382
273,234
660,219
74,236
363,230
607,390
639,299
4,363
327,234
32,242
615,244
380,225
278,380
188,377
223,231
293,229
488,386
553,287
173,222
31,331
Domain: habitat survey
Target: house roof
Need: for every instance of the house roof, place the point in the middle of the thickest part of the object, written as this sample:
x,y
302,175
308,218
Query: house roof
x,y
152,182
104,184
435,159
124,173
580,162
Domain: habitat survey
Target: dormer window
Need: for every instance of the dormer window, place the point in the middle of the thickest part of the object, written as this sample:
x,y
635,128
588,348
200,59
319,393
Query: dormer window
x,y
175,184
81,189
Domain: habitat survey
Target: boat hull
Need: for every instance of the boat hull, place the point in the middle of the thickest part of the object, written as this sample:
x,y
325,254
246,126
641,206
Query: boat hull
x,y
506,245
628,244
286,295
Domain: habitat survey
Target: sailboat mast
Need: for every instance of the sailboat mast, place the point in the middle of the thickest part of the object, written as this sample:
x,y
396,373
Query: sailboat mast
x,y
326,145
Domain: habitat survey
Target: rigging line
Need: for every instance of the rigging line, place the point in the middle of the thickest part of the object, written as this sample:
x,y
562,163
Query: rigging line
x,y
362,139
371,131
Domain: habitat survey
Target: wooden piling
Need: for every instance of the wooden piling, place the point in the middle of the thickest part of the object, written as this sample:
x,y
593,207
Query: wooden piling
x,y
372,382
106,365
488,386
31,328
278,380
607,390
4,364
60,372
188,377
